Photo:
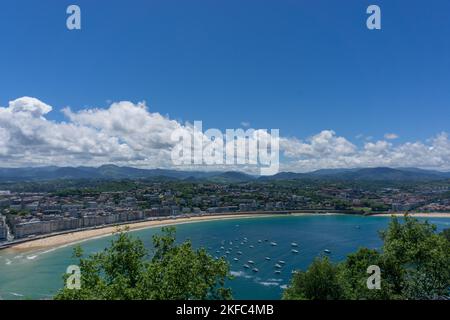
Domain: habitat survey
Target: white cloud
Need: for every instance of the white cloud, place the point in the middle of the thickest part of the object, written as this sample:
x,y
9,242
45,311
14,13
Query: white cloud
x,y
391,136
32,106
337,152
124,133
325,143
130,134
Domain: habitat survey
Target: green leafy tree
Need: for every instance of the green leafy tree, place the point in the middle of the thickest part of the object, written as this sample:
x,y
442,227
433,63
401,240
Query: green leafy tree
x,y
353,276
414,263
446,234
421,257
124,271
319,282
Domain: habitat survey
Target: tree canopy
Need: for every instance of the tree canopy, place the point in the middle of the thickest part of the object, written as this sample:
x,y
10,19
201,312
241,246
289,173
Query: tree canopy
x,y
414,263
126,270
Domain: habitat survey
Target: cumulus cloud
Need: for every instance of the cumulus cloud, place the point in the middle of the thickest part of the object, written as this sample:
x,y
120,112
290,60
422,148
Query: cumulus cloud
x,y
124,134
325,143
31,106
327,150
391,136
130,134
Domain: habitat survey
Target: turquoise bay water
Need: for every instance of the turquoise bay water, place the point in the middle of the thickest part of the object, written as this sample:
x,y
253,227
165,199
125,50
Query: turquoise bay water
x,y
38,275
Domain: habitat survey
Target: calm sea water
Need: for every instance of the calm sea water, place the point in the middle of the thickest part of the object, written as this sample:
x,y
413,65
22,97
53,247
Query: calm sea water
x,y
38,275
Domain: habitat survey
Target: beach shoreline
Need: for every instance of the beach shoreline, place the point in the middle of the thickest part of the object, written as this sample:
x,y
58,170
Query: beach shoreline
x,y
78,236
416,215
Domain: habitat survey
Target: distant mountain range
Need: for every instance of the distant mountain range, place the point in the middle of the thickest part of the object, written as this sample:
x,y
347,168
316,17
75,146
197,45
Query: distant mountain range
x,y
365,174
116,172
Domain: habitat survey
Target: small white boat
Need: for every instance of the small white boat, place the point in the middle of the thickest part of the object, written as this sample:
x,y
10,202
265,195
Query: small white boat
x,y
281,262
294,251
278,266
236,259
294,244
273,244
255,270
277,271
250,262
327,251
268,258
251,246
259,241
246,266
239,253
227,252
222,248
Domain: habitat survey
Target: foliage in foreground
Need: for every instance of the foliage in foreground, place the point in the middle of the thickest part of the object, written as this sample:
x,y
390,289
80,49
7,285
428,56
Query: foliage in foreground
x,y
414,263
124,271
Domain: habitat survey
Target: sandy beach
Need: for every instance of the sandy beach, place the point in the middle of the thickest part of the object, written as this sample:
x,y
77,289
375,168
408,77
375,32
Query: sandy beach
x,y
52,241
417,215
83,235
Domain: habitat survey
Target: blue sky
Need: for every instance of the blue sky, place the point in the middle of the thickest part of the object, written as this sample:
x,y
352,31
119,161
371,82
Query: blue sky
x,y
300,66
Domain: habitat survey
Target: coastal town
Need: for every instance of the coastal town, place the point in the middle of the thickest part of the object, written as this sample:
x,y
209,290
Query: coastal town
x,y
29,214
